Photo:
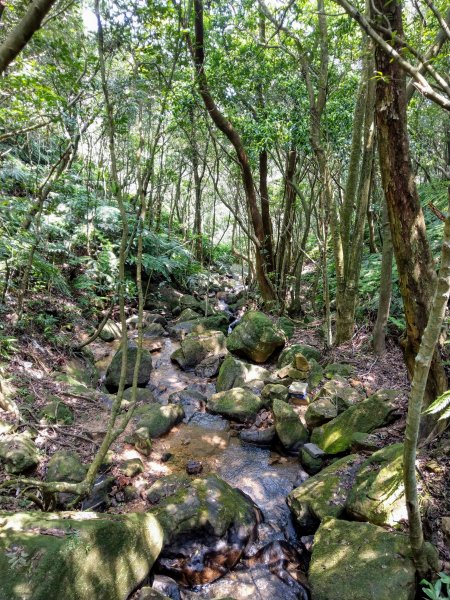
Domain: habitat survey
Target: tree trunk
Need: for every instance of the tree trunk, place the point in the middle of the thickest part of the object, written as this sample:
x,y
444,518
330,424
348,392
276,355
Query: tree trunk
x,y
412,252
384,303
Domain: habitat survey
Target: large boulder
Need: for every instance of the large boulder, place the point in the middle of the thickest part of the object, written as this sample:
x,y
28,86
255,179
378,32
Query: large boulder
x,y
19,453
325,494
340,392
65,465
76,556
255,337
336,435
361,561
188,315
158,420
111,331
207,526
274,391
112,377
188,301
378,495
238,404
289,428
196,347
288,354
237,373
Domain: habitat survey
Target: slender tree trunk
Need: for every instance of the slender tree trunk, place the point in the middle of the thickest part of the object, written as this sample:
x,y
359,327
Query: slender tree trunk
x,y
384,303
415,264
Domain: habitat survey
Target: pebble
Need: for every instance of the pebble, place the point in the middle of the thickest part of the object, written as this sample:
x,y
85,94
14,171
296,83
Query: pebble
x,y
194,467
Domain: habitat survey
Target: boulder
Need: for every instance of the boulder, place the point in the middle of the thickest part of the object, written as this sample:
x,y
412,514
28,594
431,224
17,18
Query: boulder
x,y
167,486
255,337
361,561
341,369
336,435
112,376
378,495
312,458
190,399
287,355
217,322
196,347
111,331
208,367
237,373
289,428
315,374
131,467
143,395
150,318
207,526
158,420
154,330
274,391
188,301
319,412
238,404
18,452
325,494
188,315
76,555
287,325
57,412
65,465
340,392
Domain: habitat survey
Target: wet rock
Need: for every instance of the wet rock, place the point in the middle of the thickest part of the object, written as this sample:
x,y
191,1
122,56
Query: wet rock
x,y
167,586
19,453
154,330
208,367
131,467
255,337
76,556
287,355
190,399
196,347
112,377
289,428
207,526
158,420
238,404
378,495
167,486
336,435
325,494
111,331
361,561
194,467
237,373
274,391
57,412
258,436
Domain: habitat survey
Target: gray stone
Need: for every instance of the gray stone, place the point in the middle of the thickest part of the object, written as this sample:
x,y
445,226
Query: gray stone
x,y
19,453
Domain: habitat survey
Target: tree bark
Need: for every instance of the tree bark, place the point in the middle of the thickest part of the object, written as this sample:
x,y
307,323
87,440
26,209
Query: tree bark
x,y
384,303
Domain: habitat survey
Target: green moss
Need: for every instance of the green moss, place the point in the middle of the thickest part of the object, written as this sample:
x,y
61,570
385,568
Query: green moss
x,y
158,420
287,356
57,412
289,428
237,403
237,373
255,337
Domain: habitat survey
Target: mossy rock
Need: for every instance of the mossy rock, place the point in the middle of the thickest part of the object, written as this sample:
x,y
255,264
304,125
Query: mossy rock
x,y
195,347
237,373
336,435
316,373
154,330
324,495
76,556
188,315
188,301
112,377
341,369
290,430
158,420
340,393
19,453
255,337
287,325
378,495
110,332
57,412
65,465
80,371
143,395
361,561
148,593
217,322
238,404
274,391
131,467
287,355
167,486
319,412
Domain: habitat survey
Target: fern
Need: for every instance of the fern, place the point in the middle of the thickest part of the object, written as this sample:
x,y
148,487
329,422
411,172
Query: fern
x,y
440,405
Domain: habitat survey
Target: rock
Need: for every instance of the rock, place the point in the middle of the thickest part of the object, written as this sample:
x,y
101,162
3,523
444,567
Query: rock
x,y
237,373
289,374
258,436
141,440
167,295
154,330
79,372
57,412
288,354
188,315
323,495
112,377
341,369
364,442
238,404
212,323
76,555
167,586
336,435
289,428
287,325
319,412
301,363
194,467
312,458
65,465
340,392
362,562
131,467
315,374
274,391
110,332
378,495
148,593
196,347
19,453
190,399
158,420
99,498
445,526
143,395
167,486
206,527
208,367
188,301
150,318
255,337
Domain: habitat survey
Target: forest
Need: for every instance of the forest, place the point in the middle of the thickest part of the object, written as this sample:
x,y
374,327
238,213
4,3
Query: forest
x,y
224,280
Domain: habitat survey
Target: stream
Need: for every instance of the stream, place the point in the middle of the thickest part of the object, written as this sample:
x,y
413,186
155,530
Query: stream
x,y
264,475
